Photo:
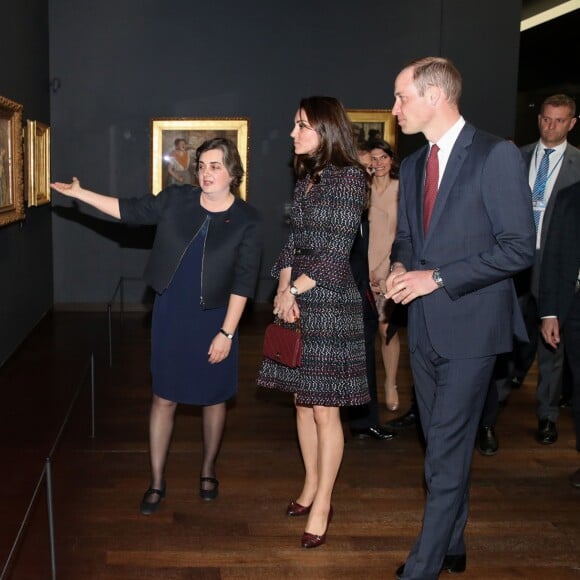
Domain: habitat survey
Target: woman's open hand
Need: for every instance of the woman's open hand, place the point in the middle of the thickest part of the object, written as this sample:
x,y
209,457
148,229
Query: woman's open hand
x,y
71,189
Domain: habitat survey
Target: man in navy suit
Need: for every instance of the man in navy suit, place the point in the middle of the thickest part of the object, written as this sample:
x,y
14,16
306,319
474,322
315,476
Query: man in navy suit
x,y
453,262
559,304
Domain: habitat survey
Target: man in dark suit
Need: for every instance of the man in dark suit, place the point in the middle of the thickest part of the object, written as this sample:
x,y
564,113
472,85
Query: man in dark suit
x,y
465,228
556,119
559,304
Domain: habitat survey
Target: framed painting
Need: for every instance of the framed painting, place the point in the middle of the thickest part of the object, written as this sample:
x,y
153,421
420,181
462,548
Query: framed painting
x,y
174,142
369,124
11,188
38,163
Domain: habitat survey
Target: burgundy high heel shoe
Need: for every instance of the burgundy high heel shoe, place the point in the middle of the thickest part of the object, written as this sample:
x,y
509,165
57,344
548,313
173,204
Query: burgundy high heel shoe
x,y
312,540
296,509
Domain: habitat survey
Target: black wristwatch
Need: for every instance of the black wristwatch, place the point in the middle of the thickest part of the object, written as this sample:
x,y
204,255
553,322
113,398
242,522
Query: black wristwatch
x,y
226,333
293,290
437,278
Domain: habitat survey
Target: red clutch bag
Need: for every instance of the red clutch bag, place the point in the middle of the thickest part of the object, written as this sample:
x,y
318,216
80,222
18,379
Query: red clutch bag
x,y
283,345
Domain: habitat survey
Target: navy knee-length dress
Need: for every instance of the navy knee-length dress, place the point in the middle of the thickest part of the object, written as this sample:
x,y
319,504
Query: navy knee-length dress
x,y
181,335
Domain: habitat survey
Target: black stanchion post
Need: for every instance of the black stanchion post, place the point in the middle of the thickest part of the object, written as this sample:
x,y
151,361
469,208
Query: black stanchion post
x,y
92,395
50,511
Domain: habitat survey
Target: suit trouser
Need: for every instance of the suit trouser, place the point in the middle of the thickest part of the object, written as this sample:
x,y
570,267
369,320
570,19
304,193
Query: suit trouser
x,y
572,338
549,389
450,395
499,389
550,362
518,362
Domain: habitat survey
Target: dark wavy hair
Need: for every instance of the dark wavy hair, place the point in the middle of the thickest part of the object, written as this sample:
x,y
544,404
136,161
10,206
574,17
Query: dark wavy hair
x,y
387,149
328,118
232,161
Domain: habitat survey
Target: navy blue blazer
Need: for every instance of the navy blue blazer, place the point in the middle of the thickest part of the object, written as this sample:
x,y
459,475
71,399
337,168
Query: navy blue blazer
x,y
231,258
481,234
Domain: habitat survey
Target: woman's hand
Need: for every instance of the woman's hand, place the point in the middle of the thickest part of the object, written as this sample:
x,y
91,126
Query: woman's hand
x,y
219,349
72,189
285,306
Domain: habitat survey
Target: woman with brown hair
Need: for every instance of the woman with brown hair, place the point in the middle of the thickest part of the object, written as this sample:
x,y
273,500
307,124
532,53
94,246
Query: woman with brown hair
x,y
203,266
382,229
315,284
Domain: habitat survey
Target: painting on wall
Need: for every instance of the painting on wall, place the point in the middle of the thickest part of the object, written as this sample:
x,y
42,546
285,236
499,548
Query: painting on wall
x,y
371,124
174,142
11,188
38,163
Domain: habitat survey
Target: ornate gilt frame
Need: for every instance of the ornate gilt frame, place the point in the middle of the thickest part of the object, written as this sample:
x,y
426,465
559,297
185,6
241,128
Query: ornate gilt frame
x,y
11,187
164,131
38,163
381,120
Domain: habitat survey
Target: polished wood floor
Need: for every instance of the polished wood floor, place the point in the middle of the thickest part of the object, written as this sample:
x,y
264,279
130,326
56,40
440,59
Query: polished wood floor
x,y
525,517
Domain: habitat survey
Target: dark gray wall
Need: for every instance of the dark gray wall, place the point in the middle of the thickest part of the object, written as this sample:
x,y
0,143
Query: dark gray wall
x,y
25,247
121,64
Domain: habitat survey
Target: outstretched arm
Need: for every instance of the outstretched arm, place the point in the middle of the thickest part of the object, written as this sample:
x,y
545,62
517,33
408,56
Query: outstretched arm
x,y
104,203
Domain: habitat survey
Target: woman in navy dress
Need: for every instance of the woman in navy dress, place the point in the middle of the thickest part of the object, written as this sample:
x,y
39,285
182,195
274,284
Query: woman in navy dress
x,y
203,266
315,284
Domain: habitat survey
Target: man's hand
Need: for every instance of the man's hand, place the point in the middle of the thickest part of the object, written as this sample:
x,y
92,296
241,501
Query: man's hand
x,y
551,331
403,287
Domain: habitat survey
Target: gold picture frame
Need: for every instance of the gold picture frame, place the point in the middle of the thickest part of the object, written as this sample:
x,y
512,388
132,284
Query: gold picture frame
x,y
165,133
11,187
38,163
372,123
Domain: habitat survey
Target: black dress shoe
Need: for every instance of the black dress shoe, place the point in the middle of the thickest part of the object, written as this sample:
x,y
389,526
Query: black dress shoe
x,y
547,433
452,564
487,443
374,432
565,401
409,419
575,478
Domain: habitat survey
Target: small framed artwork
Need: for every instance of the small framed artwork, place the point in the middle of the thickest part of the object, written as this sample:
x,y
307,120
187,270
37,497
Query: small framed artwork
x,y
11,188
370,124
174,142
38,163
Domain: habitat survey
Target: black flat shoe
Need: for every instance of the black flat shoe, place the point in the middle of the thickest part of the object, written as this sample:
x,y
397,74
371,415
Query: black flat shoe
x,y
454,564
208,494
150,507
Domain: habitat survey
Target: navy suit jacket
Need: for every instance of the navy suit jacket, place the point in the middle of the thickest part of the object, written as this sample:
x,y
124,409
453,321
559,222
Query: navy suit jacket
x,y
481,234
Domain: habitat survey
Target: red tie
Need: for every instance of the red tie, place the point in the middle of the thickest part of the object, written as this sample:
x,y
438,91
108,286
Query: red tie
x,y
431,186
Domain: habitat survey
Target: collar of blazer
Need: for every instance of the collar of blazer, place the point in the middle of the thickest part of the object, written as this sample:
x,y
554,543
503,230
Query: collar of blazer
x,y
454,163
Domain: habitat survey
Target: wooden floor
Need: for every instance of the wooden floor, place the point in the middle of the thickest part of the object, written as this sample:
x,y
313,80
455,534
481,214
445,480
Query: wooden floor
x,y
525,517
